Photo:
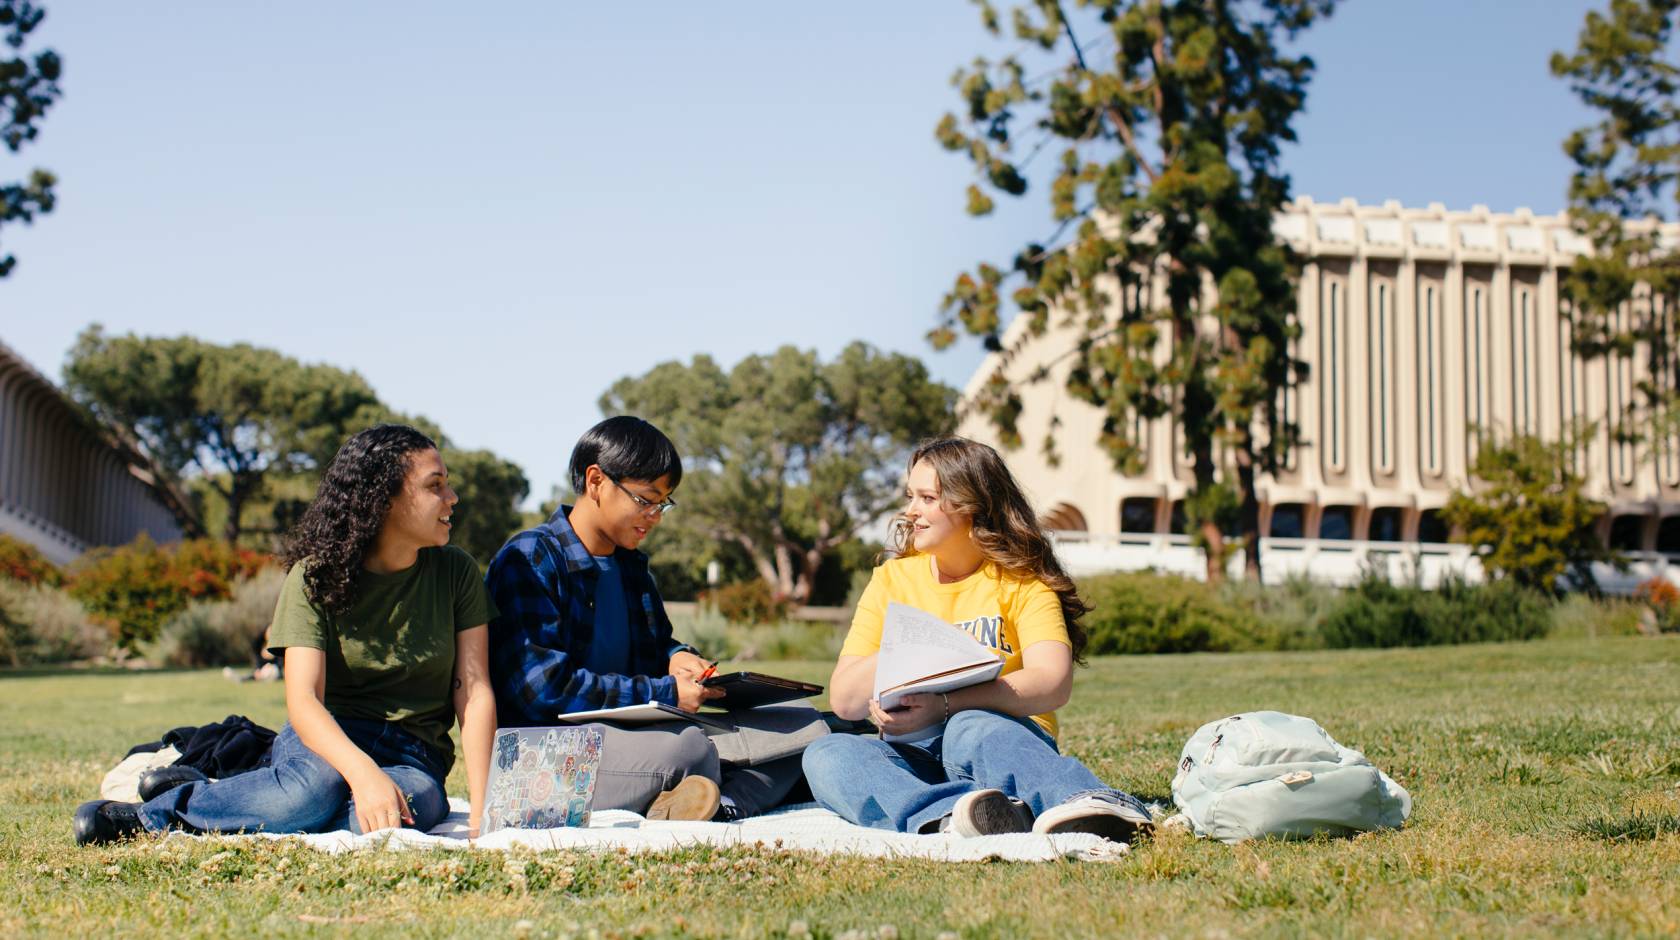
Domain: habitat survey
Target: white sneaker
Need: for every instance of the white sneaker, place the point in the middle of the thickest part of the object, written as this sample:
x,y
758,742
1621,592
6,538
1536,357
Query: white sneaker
x,y
988,813
1115,817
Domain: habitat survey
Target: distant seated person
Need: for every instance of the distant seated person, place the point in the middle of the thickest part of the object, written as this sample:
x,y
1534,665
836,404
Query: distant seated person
x,y
265,666
582,627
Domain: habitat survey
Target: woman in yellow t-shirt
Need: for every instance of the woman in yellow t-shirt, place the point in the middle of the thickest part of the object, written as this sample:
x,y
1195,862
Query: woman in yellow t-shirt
x,y
982,759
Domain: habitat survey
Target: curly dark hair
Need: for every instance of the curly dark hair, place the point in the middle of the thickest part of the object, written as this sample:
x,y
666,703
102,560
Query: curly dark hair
x,y
340,525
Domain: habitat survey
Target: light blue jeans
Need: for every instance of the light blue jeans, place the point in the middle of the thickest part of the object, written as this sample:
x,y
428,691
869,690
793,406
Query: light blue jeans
x,y
300,792
911,785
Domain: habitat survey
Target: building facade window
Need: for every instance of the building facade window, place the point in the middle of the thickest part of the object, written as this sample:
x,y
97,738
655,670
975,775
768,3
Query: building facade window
x,y
1332,332
1627,533
1385,524
1668,536
1522,411
1621,376
1431,528
1569,386
1137,515
1288,521
1474,415
1335,523
1064,518
1381,380
1429,328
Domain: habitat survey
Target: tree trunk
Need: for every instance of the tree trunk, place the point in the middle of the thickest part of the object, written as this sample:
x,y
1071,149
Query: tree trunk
x,y
765,566
1250,512
783,585
1215,551
241,488
230,529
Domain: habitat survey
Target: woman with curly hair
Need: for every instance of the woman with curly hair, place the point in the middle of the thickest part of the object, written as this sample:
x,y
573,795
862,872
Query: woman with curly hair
x,y
381,624
979,760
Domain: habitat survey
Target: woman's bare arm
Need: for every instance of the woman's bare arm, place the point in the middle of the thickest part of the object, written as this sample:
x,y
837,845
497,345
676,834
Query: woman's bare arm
x,y
475,708
852,686
379,801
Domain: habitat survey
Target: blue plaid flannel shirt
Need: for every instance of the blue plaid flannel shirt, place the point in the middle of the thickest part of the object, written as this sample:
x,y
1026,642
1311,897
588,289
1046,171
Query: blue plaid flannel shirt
x,y
543,584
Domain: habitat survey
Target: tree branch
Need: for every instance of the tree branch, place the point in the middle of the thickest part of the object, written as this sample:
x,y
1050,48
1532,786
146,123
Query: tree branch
x,y
1120,126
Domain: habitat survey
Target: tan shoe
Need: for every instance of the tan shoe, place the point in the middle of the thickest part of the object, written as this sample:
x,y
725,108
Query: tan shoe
x,y
693,798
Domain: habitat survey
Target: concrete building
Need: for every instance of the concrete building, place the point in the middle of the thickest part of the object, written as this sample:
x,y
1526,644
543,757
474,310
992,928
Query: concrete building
x,y
1419,326
63,488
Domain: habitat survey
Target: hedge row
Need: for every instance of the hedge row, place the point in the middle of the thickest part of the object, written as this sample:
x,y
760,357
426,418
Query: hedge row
x,y
1145,612
134,589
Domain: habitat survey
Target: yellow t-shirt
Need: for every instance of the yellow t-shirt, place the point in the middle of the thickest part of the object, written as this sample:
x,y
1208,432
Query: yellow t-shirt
x,y
1004,613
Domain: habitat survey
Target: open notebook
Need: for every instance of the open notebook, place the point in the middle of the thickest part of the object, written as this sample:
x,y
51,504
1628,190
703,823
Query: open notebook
x,y
922,653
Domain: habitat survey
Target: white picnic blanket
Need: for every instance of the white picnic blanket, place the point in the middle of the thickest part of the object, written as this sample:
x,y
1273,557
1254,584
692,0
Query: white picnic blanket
x,y
805,828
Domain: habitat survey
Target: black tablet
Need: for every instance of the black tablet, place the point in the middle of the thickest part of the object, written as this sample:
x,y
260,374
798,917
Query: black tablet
x,y
752,689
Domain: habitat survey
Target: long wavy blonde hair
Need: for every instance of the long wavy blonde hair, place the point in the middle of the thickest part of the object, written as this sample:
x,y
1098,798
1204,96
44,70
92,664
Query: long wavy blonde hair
x,y
975,482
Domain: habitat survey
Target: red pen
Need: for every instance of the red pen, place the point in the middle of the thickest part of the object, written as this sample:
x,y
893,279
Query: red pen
x,y
710,671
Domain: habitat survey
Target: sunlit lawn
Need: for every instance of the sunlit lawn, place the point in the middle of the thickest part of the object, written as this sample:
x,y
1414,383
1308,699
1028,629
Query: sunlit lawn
x,y
1544,774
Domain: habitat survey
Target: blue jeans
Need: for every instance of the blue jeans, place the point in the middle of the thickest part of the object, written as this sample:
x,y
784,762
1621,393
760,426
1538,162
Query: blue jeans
x,y
906,786
300,792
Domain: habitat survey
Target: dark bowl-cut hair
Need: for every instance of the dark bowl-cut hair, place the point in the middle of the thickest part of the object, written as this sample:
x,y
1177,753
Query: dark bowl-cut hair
x,y
626,448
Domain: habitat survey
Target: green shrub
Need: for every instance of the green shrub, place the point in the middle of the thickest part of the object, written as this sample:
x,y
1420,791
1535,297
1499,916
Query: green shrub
x,y
1379,613
23,562
219,633
40,623
749,602
1145,612
1578,616
708,631
139,586
1291,614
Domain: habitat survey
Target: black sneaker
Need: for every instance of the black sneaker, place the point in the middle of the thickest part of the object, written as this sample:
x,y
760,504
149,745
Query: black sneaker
x,y
727,812
1117,817
988,813
104,821
163,779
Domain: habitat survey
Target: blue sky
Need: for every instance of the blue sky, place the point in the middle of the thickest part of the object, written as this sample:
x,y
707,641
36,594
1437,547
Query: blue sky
x,y
494,210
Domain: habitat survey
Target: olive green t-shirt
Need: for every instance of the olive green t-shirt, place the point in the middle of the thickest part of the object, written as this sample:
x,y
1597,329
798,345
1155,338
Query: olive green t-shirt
x,y
392,656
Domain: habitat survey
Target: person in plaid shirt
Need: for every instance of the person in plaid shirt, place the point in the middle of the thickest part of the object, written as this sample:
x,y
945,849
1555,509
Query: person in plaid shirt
x,y
581,626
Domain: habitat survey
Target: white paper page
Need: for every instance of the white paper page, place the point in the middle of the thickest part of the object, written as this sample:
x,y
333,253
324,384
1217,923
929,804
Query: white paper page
x,y
985,672
650,713
915,644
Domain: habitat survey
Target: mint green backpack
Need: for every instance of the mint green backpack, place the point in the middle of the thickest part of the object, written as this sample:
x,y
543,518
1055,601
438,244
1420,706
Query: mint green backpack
x,y
1269,775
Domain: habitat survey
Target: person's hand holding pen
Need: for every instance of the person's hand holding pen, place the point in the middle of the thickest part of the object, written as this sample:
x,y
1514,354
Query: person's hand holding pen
x,y
690,670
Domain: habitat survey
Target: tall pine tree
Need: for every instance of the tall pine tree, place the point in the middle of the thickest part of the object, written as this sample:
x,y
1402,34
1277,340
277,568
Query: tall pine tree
x,y
1622,296
1168,115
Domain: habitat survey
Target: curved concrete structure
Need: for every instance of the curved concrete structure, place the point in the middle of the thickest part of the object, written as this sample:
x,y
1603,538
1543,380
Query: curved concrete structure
x,y
62,487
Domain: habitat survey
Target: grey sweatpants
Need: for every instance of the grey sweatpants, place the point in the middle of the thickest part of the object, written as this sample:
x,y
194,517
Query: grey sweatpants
x,y
637,764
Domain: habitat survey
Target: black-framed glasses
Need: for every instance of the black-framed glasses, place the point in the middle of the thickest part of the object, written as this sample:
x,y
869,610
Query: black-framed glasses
x,y
643,503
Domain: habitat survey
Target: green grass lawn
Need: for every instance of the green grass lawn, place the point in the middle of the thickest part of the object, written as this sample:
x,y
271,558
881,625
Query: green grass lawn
x,y
1544,776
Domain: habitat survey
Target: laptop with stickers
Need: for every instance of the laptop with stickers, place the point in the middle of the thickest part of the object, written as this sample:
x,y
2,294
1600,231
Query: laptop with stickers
x,y
541,778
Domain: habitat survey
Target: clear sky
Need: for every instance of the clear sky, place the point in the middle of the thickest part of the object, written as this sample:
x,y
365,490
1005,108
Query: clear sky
x,y
493,210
